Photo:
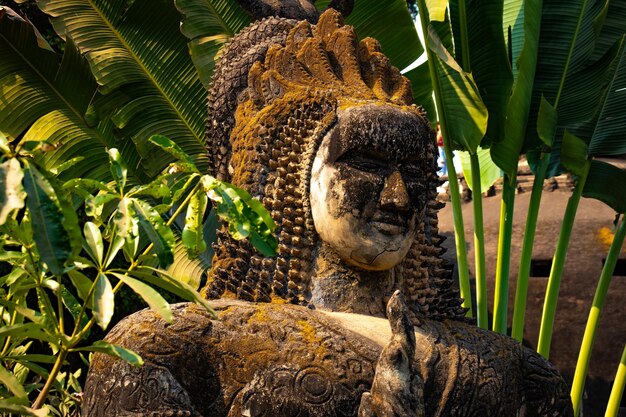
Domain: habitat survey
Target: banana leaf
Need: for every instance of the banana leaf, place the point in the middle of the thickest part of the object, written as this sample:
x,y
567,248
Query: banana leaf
x,y
44,100
523,29
136,49
209,24
487,58
590,66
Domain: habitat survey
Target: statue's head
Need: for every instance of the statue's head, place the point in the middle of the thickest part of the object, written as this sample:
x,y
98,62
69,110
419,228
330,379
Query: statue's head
x,y
368,184
326,136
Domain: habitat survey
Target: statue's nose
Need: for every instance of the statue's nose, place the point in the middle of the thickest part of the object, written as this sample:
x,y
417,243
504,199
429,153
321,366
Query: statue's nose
x,y
394,196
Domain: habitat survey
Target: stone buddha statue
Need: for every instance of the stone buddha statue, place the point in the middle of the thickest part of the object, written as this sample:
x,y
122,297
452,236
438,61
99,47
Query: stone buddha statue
x,y
357,314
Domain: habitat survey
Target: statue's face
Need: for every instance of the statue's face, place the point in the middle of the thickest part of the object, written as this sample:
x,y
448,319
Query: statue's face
x,y
368,185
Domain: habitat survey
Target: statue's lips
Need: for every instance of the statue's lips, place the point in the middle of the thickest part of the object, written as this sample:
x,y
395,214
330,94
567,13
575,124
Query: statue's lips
x,y
390,225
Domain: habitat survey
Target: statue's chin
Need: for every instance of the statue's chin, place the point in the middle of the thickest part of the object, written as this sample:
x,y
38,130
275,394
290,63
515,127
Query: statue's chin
x,y
375,260
374,252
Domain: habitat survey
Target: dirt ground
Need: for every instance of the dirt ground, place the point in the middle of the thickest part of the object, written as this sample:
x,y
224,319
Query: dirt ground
x,y
587,250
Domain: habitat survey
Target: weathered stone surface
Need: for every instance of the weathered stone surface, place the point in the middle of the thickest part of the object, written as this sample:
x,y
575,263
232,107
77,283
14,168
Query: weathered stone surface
x,y
270,359
320,127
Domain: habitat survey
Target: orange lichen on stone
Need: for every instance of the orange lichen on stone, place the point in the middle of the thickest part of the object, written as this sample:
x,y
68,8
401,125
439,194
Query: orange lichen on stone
x,y
308,331
260,315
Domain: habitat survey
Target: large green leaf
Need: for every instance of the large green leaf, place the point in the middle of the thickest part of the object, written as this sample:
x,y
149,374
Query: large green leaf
x,y
437,10
603,130
171,284
506,153
423,90
51,237
607,183
149,295
564,21
489,172
513,29
609,137
488,59
209,24
43,100
192,235
390,23
465,112
137,46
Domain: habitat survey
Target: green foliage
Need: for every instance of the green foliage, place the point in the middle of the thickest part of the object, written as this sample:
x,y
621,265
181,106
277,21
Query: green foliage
x,y
551,75
72,267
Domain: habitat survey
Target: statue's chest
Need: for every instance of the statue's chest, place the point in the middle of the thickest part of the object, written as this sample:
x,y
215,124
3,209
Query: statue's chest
x,y
284,363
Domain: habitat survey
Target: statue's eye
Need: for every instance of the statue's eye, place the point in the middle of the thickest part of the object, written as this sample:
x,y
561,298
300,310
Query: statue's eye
x,y
365,162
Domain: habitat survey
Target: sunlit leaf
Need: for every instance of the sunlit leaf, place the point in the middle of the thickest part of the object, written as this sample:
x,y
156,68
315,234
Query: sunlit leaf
x,y
118,168
11,408
172,148
93,237
103,301
27,330
157,231
113,350
489,171
192,235
149,295
14,386
11,190
463,108
437,9
171,284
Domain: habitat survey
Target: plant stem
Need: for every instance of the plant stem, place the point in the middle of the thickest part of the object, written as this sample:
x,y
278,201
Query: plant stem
x,y
582,365
466,65
503,263
459,233
521,292
558,262
479,246
51,378
455,198
617,391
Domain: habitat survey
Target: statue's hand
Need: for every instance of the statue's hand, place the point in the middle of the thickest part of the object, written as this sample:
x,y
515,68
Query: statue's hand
x,y
397,390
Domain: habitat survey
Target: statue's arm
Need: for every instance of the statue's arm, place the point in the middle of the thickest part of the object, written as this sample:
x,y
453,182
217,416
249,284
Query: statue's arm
x,y
397,390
